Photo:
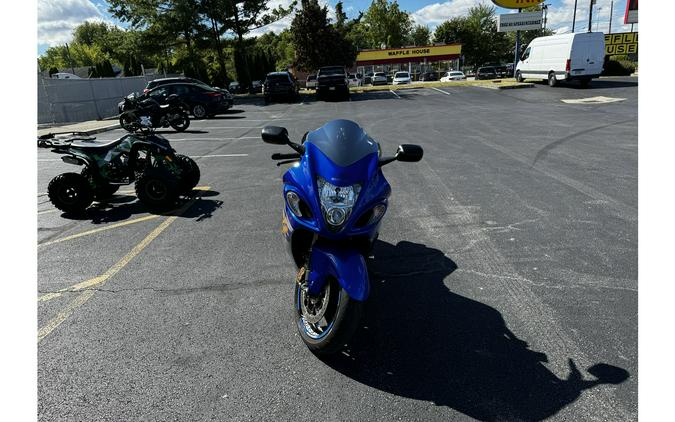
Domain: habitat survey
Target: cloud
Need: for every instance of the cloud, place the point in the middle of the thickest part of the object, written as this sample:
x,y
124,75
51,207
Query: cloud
x,y
434,14
285,23
57,19
561,16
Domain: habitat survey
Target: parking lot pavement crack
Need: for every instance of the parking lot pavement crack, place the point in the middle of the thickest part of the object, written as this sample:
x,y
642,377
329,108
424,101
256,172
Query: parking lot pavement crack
x,y
558,286
548,148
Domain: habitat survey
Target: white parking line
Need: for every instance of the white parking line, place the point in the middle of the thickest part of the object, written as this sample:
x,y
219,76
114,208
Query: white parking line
x,y
440,90
219,155
395,94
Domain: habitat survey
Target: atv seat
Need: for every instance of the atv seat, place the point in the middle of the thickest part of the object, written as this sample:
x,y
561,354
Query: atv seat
x,y
91,145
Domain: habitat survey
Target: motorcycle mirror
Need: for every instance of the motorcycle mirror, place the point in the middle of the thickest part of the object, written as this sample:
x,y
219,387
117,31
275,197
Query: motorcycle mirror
x,y
409,153
275,135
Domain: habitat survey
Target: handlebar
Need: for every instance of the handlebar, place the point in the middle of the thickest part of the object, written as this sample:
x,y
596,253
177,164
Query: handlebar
x,y
279,156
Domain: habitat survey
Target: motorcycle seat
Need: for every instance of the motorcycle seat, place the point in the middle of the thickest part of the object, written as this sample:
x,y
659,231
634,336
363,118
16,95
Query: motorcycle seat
x,y
92,145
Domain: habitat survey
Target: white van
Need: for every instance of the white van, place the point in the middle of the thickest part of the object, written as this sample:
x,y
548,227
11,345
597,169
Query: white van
x,y
565,57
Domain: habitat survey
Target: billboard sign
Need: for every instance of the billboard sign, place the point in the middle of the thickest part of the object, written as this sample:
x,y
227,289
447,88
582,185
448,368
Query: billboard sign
x,y
430,52
516,4
631,15
622,43
519,21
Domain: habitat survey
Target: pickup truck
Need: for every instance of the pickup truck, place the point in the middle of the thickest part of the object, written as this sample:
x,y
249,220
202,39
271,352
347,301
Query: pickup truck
x,y
332,80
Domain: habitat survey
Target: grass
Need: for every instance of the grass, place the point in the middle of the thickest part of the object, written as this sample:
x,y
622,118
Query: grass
x,y
493,83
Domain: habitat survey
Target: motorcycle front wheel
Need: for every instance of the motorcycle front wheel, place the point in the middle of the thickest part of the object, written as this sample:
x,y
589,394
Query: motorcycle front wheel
x,y
180,122
128,123
326,322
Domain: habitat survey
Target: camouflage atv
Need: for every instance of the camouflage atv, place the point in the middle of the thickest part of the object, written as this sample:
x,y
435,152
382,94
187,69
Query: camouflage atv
x,y
145,159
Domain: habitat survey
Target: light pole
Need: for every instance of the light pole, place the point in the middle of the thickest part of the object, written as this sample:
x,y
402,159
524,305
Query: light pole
x,y
611,12
574,18
597,19
545,8
590,15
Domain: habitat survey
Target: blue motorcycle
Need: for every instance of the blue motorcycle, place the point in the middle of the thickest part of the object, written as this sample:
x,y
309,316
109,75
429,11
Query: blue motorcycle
x,y
335,197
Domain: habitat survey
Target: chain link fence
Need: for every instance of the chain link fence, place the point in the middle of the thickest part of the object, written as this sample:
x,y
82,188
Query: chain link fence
x,y
79,100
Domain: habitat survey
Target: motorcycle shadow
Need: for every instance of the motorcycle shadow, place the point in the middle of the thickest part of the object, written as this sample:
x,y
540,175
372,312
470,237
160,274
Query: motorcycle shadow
x,y
124,206
421,341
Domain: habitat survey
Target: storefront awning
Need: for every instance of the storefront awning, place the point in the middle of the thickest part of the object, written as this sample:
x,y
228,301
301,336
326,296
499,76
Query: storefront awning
x,y
409,54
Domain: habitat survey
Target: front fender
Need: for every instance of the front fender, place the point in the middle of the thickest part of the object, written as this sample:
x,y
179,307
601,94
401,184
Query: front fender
x,y
345,264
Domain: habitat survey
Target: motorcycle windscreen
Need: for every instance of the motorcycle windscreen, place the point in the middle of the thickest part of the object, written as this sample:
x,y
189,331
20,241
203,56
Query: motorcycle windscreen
x,y
343,142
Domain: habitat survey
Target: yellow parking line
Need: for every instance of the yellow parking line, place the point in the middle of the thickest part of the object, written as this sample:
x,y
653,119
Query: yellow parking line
x,y
100,229
100,280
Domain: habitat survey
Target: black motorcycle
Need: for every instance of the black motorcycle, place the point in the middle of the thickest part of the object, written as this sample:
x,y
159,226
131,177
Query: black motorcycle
x,y
146,112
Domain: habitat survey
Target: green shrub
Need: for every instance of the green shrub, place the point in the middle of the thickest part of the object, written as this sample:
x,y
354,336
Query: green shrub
x,y
618,67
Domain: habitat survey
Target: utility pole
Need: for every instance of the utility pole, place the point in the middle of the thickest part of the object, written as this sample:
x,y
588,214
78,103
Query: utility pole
x,y
574,19
545,7
517,52
590,15
611,12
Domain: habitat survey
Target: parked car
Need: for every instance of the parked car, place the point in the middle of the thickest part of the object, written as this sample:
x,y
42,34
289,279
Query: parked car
x,y
182,79
64,75
280,85
234,87
500,69
379,78
332,80
429,76
256,87
202,101
487,72
401,78
453,75
368,79
311,82
577,56
354,80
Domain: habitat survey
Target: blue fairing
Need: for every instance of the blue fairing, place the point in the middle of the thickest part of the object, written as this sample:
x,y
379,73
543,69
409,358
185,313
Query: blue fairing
x,y
344,264
358,154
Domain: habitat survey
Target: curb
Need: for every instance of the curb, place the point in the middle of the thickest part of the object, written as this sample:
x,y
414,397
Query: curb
x,y
497,87
56,129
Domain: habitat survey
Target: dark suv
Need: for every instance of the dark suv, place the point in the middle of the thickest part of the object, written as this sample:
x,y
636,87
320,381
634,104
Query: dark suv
x,y
280,85
332,80
487,72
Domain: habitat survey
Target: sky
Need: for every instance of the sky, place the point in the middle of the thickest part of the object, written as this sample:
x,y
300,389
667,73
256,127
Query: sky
x,y
58,18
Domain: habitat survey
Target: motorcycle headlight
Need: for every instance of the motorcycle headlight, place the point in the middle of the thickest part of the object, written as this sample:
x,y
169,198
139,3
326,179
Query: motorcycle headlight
x,y
337,201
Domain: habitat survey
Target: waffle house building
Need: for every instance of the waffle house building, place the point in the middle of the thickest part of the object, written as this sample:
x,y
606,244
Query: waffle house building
x,y
416,60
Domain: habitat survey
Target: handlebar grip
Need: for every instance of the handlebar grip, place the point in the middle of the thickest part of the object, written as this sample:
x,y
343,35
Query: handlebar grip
x,y
278,156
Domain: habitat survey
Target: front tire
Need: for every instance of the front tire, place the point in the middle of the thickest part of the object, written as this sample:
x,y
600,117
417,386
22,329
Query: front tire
x,y
552,81
519,76
325,327
189,173
127,121
157,189
70,192
199,111
180,123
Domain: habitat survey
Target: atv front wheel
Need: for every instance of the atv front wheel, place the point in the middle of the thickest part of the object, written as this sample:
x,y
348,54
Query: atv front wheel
x,y
70,192
189,173
157,189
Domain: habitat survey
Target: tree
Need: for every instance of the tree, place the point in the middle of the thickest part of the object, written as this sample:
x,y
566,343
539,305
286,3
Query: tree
x,y
316,42
477,32
420,35
245,16
386,25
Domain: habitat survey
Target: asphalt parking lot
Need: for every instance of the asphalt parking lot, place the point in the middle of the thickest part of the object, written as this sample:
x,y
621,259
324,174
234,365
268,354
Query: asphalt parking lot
x,y
504,283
